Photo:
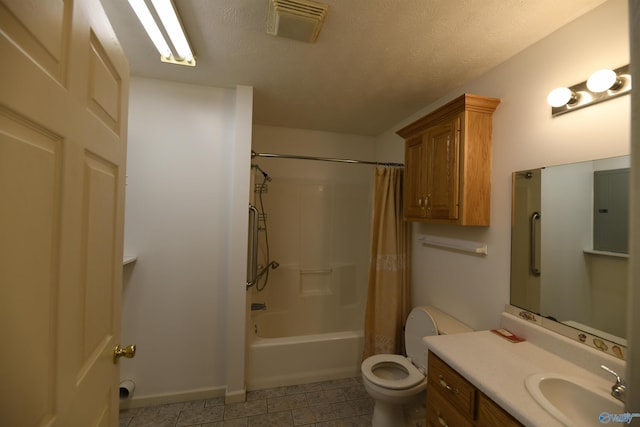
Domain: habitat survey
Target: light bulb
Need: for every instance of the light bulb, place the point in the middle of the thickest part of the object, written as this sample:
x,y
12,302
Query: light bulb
x,y
169,19
149,24
601,81
559,96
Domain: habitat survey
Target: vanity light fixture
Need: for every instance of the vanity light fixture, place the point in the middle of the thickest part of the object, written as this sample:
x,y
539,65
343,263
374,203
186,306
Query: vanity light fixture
x,y
603,85
164,21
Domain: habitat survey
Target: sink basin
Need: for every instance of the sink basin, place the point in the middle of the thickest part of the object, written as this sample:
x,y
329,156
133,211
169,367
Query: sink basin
x,y
573,401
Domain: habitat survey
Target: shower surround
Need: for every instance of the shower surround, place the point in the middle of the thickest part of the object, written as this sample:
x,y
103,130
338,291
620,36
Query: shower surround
x,y
317,217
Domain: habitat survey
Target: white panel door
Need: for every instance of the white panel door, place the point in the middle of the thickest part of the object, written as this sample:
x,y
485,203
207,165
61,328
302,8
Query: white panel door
x,y
64,85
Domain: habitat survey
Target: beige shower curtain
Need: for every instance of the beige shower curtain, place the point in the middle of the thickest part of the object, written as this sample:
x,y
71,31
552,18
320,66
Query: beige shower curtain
x,y
388,295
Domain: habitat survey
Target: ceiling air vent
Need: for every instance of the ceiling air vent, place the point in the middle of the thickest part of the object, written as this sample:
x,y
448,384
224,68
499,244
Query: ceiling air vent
x,y
296,19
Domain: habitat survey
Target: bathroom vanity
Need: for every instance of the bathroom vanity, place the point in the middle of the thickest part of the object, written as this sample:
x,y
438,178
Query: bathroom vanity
x,y
482,379
454,401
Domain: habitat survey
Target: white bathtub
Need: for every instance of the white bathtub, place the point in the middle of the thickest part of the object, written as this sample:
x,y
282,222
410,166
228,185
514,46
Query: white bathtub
x,y
287,350
276,362
311,330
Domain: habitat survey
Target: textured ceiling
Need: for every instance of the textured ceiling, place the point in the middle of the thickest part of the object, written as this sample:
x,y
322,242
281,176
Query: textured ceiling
x,y
375,61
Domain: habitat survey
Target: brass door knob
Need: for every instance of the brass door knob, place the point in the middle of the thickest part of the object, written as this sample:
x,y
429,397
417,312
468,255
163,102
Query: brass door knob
x,y
127,352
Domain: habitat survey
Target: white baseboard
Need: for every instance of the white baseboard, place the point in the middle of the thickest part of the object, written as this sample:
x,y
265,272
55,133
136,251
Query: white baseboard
x,y
185,396
235,396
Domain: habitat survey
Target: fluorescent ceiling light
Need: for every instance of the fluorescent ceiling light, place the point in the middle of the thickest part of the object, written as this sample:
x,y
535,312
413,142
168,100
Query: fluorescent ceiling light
x,y
171,24
150,26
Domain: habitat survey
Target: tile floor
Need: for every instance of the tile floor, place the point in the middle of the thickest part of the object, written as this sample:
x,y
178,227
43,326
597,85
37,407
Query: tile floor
x,y
337,403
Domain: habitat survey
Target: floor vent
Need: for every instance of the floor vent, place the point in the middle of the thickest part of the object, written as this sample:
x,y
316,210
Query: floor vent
x,y
296,19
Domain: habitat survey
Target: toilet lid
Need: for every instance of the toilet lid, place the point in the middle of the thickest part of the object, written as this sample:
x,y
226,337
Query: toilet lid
x,y
419,324
414,376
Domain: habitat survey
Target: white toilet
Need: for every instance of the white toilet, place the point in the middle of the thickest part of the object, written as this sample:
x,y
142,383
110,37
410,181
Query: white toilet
x,y
393,380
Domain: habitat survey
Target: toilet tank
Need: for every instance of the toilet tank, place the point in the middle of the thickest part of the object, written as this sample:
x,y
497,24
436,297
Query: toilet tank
x,y
427,321
446,324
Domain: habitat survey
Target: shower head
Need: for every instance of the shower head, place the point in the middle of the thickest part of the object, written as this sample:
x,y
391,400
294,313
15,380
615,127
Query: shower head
x,y
264,174
274,265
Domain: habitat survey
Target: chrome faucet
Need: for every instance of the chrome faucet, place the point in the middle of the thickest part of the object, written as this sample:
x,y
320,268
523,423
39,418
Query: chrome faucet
x,y
619,388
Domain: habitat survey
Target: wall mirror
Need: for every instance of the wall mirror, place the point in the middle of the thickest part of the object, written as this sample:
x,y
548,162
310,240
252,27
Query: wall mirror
x,y
569,242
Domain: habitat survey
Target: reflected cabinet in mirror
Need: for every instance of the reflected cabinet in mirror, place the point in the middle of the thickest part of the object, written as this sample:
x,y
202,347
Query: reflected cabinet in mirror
x,y
569,234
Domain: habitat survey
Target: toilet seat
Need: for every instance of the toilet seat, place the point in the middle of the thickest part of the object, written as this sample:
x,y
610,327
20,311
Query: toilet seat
x,y
414,376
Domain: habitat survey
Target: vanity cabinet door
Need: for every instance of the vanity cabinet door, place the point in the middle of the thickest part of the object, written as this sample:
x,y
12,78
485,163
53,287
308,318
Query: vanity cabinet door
x,y
414,180
432,173
491,415
442,413
453,401
442,164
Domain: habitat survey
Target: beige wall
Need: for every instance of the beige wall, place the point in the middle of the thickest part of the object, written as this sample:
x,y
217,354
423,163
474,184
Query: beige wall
x,y
178,297
185,219
524,136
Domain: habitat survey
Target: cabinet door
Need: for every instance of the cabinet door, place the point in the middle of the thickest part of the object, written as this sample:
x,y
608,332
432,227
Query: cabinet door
x,y
492,415
611,210
414,179
443,170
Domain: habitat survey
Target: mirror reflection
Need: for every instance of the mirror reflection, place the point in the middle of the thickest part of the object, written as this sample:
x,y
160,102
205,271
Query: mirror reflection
x,y
569,243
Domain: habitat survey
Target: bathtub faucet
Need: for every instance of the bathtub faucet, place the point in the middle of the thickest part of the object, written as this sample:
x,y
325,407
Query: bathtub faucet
x,y
258,306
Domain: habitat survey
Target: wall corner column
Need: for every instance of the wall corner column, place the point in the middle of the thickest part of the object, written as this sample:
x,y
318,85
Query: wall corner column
x,y
632,376
238,234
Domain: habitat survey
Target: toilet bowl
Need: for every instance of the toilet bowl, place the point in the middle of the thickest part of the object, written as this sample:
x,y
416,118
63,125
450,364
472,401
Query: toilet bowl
x,y
393,380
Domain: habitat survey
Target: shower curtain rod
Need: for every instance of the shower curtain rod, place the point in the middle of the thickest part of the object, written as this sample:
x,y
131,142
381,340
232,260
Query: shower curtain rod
x,y
325,159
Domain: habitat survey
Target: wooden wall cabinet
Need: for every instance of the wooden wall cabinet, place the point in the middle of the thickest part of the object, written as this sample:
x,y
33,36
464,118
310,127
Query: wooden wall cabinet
x,y
448,163
454,401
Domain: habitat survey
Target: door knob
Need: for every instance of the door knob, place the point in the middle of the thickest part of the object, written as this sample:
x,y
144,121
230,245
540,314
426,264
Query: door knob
x,y
127,352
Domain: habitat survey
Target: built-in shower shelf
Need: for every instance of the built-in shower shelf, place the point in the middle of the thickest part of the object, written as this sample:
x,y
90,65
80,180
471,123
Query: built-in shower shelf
x,y
128,259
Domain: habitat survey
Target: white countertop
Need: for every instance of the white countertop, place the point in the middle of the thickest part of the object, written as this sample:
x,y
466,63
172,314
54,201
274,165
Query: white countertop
x,y
499,368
